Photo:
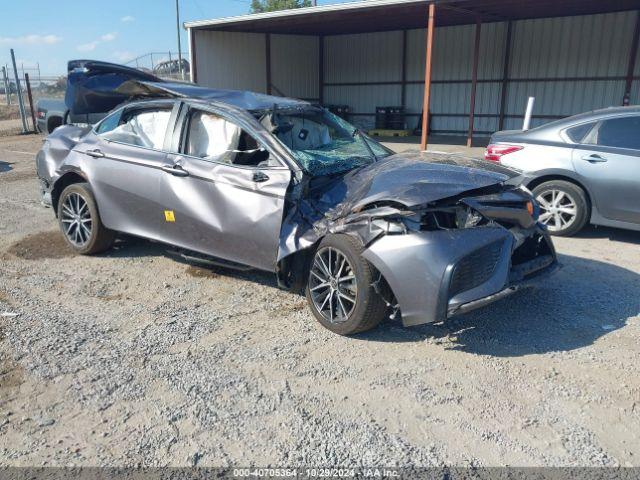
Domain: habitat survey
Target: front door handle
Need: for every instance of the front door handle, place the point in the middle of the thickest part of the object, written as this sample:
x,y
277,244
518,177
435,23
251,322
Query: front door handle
x,y
95,153
594,158
260,177
175,170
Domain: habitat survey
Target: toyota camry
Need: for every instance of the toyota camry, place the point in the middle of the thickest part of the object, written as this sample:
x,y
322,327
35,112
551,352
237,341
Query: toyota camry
x,y
247,180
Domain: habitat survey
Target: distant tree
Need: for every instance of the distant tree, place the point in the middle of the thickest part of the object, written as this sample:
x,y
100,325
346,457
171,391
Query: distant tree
x,y
261,6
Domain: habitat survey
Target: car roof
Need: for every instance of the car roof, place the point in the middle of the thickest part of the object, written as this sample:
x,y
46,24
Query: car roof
x,y
592,116
111,84
238,98
604,112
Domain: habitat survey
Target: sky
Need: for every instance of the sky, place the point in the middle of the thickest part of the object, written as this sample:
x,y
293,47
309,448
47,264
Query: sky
x,y
51,32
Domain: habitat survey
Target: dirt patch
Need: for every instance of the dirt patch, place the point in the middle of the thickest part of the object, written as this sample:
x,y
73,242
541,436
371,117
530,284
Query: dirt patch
x,y
11,376
109,298
4,298
11,373
41,245
9,112
200,272
18,176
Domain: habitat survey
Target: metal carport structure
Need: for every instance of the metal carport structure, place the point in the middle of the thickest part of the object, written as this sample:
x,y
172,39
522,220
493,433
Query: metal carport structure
x,y
488,54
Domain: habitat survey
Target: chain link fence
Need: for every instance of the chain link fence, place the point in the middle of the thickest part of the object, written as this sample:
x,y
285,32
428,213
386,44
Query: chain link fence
x,y
165,65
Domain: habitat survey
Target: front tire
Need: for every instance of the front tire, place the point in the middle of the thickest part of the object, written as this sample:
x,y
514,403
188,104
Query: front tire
x,y
340,289
564,208
80,223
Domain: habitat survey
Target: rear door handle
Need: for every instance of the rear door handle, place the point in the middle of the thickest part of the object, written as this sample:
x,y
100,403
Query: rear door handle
x,y
260,177
175,170
95,153
594,158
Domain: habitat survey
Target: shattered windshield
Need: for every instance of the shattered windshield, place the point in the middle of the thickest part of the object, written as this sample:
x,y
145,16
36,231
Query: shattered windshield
x,y
323,143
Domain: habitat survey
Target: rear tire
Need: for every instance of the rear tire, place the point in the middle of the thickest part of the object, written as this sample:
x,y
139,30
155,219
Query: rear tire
x,y
564,207
80,222
343,299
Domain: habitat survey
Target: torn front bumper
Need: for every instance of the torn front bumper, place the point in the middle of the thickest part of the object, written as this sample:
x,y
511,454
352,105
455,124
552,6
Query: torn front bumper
x,y
45,192
437,274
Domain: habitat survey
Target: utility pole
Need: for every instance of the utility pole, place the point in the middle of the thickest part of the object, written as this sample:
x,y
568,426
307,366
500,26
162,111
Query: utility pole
x,y
179,45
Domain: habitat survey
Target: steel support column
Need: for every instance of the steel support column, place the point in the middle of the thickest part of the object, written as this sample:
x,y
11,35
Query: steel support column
x,y
267,53
474,81
626,99
321,69
403,74
427,77
505,75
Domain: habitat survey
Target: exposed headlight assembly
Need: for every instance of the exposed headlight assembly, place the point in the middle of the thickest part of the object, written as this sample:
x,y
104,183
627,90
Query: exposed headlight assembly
x,y
467,218
450,218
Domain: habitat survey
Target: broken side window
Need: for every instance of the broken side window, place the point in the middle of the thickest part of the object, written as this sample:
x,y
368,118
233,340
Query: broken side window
x,y
212,137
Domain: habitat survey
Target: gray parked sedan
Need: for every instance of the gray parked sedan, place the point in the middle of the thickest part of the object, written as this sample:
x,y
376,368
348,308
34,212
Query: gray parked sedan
x,y
249,180
584,168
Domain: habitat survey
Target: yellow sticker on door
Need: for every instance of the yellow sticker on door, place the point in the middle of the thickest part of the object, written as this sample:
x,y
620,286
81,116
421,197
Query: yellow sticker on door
x,y
169,216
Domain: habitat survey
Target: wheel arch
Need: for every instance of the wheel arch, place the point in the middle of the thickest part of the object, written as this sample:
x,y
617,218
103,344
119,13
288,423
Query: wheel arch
x,y
293,270
68,178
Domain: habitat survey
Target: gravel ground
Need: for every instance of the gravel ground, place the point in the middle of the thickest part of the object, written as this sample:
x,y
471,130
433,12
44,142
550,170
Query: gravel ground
x,y
135,358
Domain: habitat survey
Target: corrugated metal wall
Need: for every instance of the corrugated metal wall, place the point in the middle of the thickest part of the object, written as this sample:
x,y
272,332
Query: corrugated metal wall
x,y
295,65
555,48
587,46
370,57
451,74
231,60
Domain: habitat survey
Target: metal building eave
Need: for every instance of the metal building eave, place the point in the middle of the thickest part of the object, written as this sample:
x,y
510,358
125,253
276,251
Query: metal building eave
x,y
296,12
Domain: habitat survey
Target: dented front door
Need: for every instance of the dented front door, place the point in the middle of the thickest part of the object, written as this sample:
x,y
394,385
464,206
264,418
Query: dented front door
x,y
227,211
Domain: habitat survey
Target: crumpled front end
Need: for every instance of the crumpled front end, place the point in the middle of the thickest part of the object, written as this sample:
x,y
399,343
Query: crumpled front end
x,y
445,234
439,270
54,152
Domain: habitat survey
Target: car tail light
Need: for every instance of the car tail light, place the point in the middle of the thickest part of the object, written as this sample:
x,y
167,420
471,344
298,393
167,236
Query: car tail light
x,y
495,152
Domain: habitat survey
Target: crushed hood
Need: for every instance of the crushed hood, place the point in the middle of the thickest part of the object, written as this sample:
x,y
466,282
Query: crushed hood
x,y
398,182
413,179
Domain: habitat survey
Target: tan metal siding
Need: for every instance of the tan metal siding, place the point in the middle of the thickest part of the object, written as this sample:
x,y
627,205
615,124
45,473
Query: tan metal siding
x,y
294,65
587,46
369,57
231,60
592,45
453,60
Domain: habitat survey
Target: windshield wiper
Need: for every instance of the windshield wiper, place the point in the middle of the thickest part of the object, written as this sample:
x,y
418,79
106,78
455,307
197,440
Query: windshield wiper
x,y
360,133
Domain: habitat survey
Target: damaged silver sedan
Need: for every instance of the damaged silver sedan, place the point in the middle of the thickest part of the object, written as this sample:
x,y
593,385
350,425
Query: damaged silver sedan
x,y
252,181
